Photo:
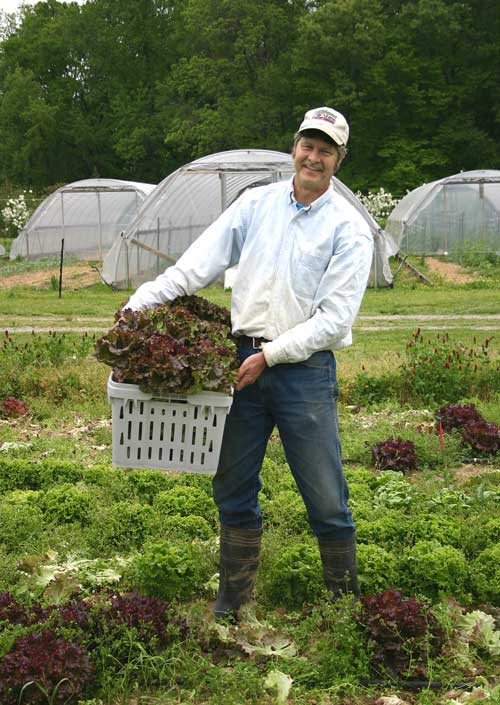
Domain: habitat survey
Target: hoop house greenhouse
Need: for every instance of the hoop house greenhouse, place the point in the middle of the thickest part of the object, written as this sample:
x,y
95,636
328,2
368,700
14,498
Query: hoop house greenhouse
x,y
88,214
190,199
447,215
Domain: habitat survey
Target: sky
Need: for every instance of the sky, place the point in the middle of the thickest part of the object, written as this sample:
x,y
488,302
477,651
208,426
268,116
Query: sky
x,y
13,5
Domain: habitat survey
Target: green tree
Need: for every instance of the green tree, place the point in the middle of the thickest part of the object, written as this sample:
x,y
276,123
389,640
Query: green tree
x,y
233,89
89,76
404,75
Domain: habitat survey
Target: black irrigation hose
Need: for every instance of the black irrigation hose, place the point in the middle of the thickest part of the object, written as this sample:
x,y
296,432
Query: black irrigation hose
x,y
416,685
477,461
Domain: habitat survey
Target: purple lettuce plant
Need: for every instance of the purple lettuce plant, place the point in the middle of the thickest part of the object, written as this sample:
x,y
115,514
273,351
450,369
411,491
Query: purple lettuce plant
x,y
42,667
12,408
394,454
401,630
185,347
482,437
452,416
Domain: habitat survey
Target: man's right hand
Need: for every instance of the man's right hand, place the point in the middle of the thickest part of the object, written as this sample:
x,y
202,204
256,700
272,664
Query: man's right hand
x,y
250,370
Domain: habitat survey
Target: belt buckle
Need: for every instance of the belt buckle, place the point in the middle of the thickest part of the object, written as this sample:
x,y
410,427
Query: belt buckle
x,y
254,346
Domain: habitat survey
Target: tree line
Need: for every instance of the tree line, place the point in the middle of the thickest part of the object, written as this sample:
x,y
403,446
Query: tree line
x,y
133,89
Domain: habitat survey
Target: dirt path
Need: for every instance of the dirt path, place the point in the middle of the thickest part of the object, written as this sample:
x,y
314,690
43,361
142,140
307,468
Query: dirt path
x,y
475,321
75,276
449,271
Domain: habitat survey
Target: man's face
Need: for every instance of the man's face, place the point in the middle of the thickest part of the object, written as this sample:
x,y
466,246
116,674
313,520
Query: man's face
x,y
315,162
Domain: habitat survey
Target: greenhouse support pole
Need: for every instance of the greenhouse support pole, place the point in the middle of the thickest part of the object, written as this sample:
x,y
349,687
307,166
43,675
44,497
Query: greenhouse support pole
x,y
157,244
223,192
126,259
63,227
99,213
61,267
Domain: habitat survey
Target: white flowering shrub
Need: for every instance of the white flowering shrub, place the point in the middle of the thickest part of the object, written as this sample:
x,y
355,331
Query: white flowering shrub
x,y
378,203
16,212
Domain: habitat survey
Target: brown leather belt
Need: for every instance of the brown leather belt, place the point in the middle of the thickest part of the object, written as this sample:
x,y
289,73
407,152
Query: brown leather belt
x,y
255,343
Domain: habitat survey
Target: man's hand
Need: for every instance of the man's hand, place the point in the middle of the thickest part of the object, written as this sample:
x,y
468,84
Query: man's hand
x,y
250,370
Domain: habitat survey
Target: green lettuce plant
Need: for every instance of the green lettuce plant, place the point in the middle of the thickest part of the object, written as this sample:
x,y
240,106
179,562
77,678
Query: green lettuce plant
x,y
186,501
435,570
294,577
485,571
378,568
169,570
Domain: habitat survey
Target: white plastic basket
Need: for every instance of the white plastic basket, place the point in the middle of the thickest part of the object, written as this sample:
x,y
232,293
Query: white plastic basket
x,y
174,433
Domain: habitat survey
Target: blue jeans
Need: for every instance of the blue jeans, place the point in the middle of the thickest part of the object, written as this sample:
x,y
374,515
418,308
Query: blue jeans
x,y
300,399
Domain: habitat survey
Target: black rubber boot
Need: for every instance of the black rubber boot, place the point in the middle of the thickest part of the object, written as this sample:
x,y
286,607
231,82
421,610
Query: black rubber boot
x,y
239,558
339,566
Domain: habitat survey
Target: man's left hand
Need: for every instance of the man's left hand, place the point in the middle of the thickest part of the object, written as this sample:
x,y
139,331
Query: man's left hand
x,y
250,370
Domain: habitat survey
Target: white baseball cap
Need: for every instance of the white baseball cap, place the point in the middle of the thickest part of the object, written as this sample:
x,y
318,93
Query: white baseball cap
x,y
329,121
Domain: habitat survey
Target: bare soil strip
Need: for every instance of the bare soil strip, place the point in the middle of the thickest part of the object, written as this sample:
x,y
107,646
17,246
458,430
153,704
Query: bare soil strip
x,y
76,276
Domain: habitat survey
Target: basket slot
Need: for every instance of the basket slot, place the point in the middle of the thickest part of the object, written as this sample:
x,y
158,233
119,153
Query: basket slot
x,y
168,434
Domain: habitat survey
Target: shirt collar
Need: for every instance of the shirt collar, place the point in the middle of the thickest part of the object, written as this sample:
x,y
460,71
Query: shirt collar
x,y
324,198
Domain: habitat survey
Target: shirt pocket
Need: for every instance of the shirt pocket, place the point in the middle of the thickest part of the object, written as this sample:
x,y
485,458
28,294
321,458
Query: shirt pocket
x,y
306,271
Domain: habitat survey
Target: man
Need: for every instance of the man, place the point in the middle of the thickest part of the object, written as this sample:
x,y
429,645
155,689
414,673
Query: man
x,y
304,256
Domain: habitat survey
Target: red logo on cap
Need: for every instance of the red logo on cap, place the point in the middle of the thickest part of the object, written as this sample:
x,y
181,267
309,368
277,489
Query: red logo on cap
x,y
322,115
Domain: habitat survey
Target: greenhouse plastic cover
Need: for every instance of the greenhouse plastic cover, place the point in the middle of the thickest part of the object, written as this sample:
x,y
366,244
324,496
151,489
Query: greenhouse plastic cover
x,y
445,215
88,214
187,201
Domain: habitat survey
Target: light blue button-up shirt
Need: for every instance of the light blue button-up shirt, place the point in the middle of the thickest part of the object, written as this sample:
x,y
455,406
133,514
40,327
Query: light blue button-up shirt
x,y
301,272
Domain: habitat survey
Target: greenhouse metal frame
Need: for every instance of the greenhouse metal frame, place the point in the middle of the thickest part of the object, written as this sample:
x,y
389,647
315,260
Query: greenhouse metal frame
x,y
445,216
88,215
187,201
